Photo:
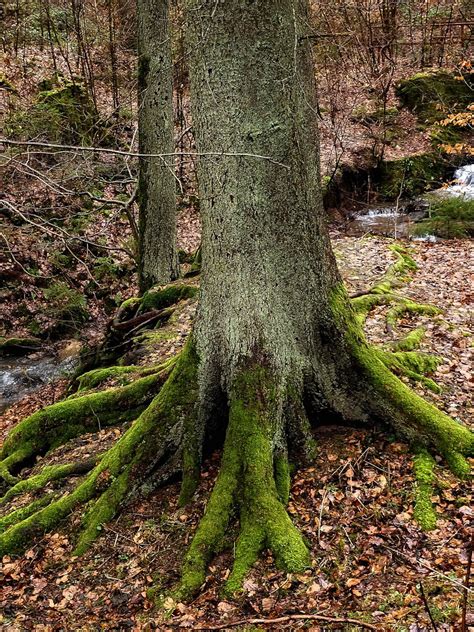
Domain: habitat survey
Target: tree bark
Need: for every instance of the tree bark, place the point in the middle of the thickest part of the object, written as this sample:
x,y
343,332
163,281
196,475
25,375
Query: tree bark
x,y
158,258
268,270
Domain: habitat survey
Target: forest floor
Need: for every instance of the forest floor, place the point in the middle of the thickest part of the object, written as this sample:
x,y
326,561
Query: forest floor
x,y
354,505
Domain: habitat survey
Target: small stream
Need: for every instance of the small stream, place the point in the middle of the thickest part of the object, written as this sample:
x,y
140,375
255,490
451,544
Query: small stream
x,y
21,376
393,221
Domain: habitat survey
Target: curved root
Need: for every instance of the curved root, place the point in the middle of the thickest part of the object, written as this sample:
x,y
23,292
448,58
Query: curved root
x,y
247,481
94,378
57,424
47,475
155,434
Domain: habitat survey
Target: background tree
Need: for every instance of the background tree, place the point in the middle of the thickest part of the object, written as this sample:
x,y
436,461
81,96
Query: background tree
x,y
278,345
158,257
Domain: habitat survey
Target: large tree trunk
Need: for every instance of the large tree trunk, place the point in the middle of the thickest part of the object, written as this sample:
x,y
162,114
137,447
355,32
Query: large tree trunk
x,y
158,258
277,345
269,273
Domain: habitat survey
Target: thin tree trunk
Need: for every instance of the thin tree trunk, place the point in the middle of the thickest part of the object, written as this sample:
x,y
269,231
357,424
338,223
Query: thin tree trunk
x,y
157,218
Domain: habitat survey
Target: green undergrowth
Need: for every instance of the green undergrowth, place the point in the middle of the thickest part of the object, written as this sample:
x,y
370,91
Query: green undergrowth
x,y
449,218
63,112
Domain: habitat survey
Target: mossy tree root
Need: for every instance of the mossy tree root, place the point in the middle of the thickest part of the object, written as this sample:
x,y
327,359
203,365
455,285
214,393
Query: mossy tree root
x,y
148,445
413,417
253,480
57,424
406,306
389,399
414,365
125,374
47,475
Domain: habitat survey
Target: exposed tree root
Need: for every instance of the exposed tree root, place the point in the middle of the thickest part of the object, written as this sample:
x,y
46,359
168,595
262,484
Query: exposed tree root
x,y
94,378
413,365
247,483
47,475
156,433
267,419
56,424
391,400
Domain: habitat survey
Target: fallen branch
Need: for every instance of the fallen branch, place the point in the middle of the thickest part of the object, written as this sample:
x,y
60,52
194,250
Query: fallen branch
x,y
143,319
455,582
132,154
290,617
427,607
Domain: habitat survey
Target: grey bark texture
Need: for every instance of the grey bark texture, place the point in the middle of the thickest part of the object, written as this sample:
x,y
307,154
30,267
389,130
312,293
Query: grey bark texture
x,y
267,266
158,258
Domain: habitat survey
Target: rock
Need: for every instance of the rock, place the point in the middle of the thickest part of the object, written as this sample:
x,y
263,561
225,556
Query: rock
x,y
70,349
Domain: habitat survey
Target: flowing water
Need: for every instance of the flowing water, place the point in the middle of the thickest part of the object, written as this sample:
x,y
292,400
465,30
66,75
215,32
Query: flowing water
x,y
396,221
20,376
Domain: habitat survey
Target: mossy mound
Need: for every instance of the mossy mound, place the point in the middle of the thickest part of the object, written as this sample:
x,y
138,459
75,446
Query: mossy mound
x,y
431,95
73,107
411,176
18,346
62,112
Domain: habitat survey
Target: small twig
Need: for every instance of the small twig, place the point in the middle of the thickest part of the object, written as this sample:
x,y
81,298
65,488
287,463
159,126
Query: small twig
x,y
321,509
466,584
290,617
427,607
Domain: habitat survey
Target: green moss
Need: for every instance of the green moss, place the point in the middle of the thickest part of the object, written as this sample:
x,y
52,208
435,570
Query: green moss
x,y
413,365
152,338
282,477
432,95
246,477
65,303
170,295
419,362
18,346
94,378
411,341
62,113
423,468
381,293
